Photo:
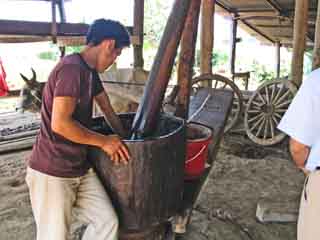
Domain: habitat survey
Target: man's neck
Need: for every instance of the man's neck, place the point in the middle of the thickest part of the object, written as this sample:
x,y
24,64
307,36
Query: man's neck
x,y
89,55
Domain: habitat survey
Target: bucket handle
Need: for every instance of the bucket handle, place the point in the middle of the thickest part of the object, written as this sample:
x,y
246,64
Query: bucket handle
x,y
197,155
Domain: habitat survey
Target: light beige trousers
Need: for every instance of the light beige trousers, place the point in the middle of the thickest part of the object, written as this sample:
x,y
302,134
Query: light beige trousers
x,y
309,213
53,200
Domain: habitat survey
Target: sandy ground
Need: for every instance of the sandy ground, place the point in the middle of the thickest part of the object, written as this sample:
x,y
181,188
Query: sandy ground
x,y
242,175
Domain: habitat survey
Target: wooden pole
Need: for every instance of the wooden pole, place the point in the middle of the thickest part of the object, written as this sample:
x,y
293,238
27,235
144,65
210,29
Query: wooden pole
x,y
63,19
138,33
316,49
299,40
278,59
234,28
207,36
145,120
186,60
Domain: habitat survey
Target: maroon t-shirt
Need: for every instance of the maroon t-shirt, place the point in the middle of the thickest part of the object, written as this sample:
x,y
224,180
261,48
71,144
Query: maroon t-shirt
x,y
53,154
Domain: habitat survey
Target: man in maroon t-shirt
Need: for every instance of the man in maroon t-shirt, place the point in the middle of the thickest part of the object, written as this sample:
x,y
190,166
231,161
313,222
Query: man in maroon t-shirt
x,y
59,176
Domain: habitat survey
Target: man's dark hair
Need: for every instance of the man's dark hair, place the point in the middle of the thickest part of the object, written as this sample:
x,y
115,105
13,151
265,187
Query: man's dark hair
x,y
102,29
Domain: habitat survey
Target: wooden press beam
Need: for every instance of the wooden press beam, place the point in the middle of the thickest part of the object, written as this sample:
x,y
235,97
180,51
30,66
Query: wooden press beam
x,y
138,33
299,40
207,36
147,115
316,49
186,59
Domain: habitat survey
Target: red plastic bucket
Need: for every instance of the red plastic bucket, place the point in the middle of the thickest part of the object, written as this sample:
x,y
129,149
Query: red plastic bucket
x,y
198,139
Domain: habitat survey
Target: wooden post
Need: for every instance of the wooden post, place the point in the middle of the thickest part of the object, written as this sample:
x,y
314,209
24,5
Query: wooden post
x,y
234,28
63,19
54,29
207,36
146,117
186,60
138,33
316,49
278,59
299,40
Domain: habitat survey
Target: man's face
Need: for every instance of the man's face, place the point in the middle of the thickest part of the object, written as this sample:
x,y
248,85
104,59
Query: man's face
x,y
108,55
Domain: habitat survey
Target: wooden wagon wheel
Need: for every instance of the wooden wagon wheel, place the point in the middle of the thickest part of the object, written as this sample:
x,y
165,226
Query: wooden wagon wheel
x,y
221,82
265,109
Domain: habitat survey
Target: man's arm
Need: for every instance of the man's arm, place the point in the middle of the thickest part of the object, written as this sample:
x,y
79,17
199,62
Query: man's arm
x,y
63,124
299,153
110,116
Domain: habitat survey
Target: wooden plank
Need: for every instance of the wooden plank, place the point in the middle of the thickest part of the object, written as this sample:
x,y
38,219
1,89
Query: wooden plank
x,y
299,40
17,144
316,48
186,60
207,36
138,32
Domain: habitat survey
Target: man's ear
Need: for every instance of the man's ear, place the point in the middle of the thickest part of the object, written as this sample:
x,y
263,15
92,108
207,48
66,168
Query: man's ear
x,y
110,43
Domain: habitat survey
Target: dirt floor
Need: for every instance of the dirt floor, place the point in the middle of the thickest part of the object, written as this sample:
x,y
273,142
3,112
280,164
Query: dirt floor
x,y
242,175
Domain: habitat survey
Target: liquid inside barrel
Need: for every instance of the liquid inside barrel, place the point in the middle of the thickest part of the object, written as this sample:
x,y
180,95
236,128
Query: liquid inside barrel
x,y
148,190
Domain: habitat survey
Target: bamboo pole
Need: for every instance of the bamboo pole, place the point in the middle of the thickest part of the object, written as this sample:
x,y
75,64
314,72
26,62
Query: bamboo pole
x,y
186,59
316,49
207,36
145,120
299,40
138,32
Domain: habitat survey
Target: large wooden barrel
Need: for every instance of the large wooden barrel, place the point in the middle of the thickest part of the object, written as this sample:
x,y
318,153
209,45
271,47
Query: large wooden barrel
x,y
148,190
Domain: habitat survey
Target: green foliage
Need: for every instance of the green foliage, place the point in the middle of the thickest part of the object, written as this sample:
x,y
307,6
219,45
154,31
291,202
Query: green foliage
x,y
261,73
73,49
219,58
48,55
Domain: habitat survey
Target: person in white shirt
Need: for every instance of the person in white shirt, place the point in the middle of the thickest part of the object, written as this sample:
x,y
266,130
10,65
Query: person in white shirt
x,y
301,122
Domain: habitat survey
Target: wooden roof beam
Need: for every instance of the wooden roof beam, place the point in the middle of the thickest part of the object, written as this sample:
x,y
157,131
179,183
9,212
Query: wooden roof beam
x,y
275,5
12,27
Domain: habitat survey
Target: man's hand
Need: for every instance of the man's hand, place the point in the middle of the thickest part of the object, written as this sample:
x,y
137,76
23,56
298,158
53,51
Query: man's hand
x,y
299,153
116,149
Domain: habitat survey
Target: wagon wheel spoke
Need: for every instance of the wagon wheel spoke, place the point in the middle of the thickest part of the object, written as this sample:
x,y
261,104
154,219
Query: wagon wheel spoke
x,y
261,98
281,110
271,128
265,133
255,117
278,115
273,89
267,94
275,120
260,127
278,94
257,104
286,103
283,97
257,123
254,111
